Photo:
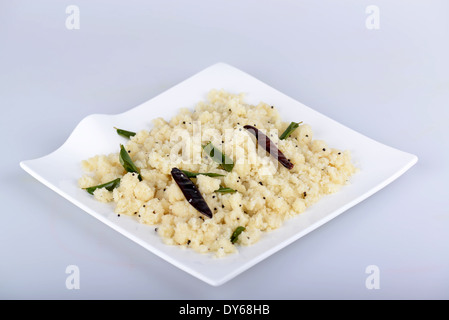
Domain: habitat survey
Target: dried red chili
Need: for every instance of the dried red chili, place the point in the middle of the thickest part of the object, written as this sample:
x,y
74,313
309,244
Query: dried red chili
x,y
191,192
269,146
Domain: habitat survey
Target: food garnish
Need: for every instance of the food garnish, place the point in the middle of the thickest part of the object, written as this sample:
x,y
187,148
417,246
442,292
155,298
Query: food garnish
x,y
191,192
125,133
236,233
225,190
269,146
108,185
127,163
219,157
292,127
195,174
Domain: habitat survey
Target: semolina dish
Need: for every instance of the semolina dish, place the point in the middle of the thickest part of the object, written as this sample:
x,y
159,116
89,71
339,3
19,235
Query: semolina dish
x,y
163,175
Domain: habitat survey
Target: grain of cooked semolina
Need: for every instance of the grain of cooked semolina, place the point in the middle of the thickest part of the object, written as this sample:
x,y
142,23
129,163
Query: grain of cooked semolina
x,y
266,194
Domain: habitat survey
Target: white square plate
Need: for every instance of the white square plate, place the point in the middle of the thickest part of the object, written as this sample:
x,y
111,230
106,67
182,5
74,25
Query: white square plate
x,y
379,165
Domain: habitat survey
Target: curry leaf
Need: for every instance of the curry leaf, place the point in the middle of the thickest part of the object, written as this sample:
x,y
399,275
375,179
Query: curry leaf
x,y
108,185
225,190
292,127
219,157
125,133
127,163
236,233
196,174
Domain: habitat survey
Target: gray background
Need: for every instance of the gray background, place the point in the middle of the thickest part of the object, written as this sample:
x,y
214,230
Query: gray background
x,y
390,84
